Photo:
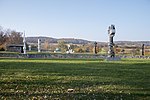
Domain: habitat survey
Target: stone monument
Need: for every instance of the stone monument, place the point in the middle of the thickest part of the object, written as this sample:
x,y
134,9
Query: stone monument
x,y
39,45
29,47
69,50
111,53
24,44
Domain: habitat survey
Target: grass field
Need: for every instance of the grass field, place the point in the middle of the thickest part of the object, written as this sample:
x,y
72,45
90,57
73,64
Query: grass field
x,y
90,79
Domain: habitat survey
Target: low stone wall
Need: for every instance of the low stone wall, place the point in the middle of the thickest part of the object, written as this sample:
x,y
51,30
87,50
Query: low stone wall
x,y
53,55
140,57
57,55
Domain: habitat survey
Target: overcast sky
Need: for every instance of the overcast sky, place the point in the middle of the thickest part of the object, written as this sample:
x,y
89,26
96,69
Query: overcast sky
x,y
84,19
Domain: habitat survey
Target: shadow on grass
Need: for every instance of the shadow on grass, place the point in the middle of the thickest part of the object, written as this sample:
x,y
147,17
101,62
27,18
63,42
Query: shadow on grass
x,y
46,80
75,96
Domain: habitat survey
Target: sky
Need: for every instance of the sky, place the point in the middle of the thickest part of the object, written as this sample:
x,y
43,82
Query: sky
x,y
83,19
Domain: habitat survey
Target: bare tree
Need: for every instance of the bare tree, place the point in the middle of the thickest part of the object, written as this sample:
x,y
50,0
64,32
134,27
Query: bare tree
x,y
15,37
62,46
3,37
46,45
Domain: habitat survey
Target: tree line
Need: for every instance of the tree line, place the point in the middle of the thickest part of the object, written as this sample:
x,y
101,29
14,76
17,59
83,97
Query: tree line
x,y
8,36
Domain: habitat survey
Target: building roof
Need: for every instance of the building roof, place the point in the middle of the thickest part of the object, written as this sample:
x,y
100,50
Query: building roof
x,y
15,45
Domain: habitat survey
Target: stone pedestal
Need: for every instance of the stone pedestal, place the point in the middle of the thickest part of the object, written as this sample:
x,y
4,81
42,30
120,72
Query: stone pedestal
x,y
113,59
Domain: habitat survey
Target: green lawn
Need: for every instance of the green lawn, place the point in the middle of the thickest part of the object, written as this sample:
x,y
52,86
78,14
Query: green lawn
x,y
90,79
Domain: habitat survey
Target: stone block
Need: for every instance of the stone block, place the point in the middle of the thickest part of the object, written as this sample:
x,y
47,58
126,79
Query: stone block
x,y
113,59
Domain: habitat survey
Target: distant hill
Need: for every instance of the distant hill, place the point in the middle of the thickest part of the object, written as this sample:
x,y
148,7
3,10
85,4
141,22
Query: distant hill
x,y
82,41
136,43
54,40
74,41
43,39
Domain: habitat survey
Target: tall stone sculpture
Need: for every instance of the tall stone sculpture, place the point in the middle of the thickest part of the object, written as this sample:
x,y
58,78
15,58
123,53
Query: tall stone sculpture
x,y
111,53
24,44
111,33
39,45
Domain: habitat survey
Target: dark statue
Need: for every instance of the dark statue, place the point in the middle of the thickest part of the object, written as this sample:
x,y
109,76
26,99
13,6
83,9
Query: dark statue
x,y
95,47
142,49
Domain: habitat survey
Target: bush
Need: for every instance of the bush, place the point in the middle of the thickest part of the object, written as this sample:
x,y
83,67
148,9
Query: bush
x,y
2,49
